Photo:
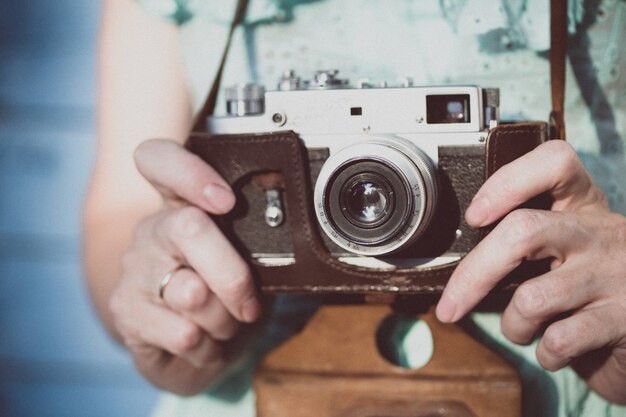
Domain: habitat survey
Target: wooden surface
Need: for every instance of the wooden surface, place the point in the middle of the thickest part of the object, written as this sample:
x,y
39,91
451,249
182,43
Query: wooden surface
x,y
333,368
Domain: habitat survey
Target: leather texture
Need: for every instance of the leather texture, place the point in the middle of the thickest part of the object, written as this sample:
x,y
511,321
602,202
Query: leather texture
x,y
558,55
460,173
239,157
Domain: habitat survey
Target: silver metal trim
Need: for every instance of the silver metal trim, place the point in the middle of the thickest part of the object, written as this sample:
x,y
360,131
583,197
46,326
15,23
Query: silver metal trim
x,y
410,162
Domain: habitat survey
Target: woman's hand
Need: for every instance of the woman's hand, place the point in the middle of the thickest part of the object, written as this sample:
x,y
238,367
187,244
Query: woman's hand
x,y
581,302
177,340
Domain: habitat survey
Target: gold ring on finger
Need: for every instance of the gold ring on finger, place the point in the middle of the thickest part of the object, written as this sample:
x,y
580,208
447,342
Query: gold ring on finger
x,y
167,278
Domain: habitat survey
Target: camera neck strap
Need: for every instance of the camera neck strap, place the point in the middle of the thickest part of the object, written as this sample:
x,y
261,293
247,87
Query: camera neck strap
x,y
199,123
558,51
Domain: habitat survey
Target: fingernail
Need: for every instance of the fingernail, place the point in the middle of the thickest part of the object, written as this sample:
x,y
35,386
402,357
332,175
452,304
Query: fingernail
x,y
478,212
219,197
251,310
445,309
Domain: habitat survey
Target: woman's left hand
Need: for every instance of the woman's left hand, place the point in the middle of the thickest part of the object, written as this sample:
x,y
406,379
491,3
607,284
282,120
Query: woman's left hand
x,y
581,302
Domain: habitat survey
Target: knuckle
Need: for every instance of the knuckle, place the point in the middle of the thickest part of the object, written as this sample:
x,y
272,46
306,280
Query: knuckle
x,y
521,226
530,300
186,339
189,221
511,332
564,156
557,342
195,294
547,362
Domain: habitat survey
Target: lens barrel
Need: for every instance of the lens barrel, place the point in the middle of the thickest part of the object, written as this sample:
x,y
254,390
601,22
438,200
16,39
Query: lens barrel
x,y
368,202
375,197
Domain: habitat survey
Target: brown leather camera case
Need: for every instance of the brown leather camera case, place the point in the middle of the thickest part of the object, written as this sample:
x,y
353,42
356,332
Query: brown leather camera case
x,y
315,270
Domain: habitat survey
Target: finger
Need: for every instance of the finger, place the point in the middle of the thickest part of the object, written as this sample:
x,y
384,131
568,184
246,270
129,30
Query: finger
x,y
143,322
523,234
552,167
538,300
189,295
178,174
192,234
585,331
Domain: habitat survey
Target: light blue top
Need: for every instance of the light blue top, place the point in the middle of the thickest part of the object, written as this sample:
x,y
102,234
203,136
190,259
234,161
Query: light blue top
x,y
500,43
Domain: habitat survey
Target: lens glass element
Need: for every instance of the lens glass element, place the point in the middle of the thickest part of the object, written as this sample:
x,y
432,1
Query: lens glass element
x,y
367,202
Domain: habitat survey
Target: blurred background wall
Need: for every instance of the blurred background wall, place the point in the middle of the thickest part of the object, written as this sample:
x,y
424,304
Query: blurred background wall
x,y
55,359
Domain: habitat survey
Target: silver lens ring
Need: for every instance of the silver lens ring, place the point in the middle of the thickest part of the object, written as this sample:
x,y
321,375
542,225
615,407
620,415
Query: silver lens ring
x,y
416,171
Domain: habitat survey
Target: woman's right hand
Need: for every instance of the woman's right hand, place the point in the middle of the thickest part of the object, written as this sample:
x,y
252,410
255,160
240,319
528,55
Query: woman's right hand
x,y
177,340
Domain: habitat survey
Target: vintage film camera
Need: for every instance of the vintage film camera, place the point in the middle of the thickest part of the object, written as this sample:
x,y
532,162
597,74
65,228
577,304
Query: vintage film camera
x,y
357,190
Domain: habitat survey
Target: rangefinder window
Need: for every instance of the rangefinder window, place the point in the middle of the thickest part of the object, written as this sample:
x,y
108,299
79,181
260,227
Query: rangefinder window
x,y
447,108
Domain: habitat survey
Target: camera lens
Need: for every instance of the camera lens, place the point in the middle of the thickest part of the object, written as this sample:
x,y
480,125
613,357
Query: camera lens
x,y
366,200
374,197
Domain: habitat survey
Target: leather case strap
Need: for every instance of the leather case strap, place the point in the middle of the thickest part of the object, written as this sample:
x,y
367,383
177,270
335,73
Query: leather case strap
x,y
558,53
199,123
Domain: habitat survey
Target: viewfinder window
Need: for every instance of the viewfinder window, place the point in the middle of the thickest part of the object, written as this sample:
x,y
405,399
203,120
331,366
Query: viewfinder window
x,y
447,108
356,111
